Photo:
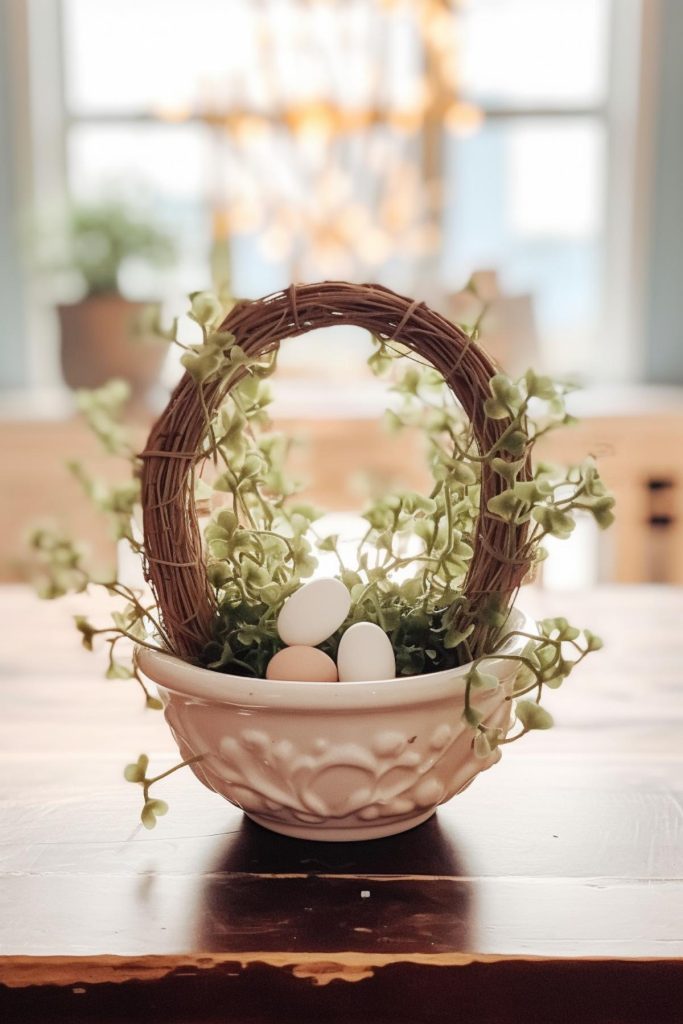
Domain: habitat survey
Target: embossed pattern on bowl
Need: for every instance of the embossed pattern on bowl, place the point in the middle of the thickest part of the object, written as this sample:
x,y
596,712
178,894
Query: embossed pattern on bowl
x,y
330,761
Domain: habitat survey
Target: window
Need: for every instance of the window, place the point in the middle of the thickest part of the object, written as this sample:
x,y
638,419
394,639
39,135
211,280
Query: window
x,y
150,87
526,193
236,114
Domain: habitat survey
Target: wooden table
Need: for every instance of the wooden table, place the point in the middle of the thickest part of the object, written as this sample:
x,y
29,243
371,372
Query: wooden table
x,y
552,890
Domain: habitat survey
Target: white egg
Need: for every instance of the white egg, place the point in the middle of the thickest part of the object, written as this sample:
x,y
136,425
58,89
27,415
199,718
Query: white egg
x,y
313,613
365,653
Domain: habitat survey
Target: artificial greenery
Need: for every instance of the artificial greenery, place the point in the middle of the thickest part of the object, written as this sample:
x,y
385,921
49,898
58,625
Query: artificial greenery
x,y
101,237
410,565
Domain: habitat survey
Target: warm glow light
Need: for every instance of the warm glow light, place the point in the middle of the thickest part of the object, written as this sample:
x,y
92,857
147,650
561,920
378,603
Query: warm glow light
x,y
317,119
249,128
173,115
275,243
318,149
463,119
243,217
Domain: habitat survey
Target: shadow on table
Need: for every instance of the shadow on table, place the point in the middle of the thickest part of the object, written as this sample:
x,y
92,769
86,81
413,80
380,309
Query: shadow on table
x,y
269,892
425,850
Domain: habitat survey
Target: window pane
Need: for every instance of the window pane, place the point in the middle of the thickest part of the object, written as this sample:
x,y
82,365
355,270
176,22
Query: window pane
x,y
525,198
163,167
141,55
133,56
538,53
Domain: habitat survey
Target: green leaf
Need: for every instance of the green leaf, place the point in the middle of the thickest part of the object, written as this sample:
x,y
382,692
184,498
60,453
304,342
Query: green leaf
x,y
508,470
271,594
409,382
602,511
117,670
454,637
391,421
86,630
502,387
220,549
147,815
524,677
309,512
555,681
553,521
516,442
482,746
472,716
159,807
480,680
539,387
237,356
532,715
412,502
556,406
547,655
351,579
462,473
227,520
411,590
202,490
570,633
593,642
491,610
380,362
218,573
202,363
531,491
506,398
504,505
206,309
496,410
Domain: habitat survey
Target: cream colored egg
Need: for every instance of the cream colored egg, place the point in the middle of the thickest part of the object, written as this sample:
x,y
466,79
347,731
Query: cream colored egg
x,y
313,613
365,653
306,664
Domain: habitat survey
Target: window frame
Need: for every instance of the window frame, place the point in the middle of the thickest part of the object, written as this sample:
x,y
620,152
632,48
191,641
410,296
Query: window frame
x,y
626,118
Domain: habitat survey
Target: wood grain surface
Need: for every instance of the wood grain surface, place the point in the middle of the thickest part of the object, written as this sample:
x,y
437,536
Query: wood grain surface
x,y
551,890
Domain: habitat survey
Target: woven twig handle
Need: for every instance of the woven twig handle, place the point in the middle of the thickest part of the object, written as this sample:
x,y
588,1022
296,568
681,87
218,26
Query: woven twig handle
x,y
176,567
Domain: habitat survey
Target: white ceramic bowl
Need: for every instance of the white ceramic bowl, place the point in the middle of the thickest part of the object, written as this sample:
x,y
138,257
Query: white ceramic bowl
x,y
331,761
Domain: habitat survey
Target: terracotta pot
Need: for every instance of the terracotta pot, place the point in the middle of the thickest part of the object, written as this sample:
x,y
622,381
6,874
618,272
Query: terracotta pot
x,y
331,761
98,343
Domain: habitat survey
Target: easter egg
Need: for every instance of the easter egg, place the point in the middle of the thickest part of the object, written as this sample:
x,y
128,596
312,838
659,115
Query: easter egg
x,y
306,664
365,652
314,612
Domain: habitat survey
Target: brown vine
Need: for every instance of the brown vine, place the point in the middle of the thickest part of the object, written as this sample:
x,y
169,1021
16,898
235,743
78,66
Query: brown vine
x,y
175,565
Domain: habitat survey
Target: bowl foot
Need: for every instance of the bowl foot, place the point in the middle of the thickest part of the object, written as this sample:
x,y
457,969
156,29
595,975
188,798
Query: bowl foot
x,y
352,834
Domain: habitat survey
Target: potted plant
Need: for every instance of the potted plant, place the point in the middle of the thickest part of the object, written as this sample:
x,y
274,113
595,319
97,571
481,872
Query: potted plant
x,y
438,670
98,331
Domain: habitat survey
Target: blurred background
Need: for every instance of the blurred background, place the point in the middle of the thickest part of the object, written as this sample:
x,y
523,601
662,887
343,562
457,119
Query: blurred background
x,y
150,148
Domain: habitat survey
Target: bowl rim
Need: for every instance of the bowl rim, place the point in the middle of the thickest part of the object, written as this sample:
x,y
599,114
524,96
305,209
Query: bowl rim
x,y
207,685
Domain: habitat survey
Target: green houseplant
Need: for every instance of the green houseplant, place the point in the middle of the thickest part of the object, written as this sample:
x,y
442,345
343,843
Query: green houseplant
x,y
97,330
437,572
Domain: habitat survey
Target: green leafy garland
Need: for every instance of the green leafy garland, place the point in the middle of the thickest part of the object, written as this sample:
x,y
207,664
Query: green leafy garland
x,y
409,567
